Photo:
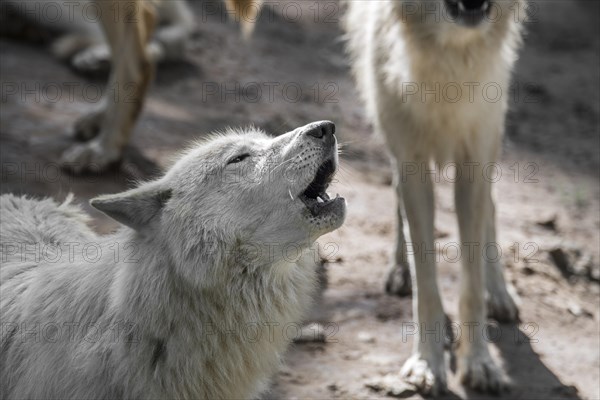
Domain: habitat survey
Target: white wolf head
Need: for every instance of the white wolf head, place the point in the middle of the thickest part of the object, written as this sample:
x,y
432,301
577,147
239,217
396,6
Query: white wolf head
x,y
236,191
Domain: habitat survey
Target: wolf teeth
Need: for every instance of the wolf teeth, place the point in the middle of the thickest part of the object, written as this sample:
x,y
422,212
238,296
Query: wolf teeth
x,y
320,200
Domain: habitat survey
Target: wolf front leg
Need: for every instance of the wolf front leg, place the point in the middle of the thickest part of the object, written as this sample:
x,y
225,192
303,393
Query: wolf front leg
x,y
398,280
476,367
127,26
425,368
501,297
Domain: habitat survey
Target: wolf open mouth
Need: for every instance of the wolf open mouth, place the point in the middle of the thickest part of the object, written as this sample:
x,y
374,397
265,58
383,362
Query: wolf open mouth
x,y
315,196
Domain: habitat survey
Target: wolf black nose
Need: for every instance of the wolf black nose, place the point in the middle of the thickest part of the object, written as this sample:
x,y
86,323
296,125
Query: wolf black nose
x,y
321,129
473,4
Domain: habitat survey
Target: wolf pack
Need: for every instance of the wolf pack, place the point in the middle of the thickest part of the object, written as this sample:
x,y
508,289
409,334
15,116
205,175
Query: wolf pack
x,y
211,252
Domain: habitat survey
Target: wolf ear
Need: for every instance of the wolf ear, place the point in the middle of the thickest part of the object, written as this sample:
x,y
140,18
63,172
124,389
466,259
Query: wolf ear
x,y
136,207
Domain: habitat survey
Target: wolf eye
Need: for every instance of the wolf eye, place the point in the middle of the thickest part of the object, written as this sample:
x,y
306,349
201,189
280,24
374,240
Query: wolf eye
x,y
238,159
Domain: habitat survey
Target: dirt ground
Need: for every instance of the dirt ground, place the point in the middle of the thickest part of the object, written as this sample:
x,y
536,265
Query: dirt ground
x,y
294,71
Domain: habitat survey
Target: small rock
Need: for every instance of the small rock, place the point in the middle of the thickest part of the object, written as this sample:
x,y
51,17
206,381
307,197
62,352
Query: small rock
x,y
548,223
577,310
375,385
333,387
573,262
392,385
527,270
561,260
366,337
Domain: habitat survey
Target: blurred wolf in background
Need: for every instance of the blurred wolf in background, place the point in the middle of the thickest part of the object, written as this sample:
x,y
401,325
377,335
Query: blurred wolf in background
x,y
425,69
132,49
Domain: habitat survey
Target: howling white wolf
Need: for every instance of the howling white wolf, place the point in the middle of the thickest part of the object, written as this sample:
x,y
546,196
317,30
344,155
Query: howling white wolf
x,y
193,298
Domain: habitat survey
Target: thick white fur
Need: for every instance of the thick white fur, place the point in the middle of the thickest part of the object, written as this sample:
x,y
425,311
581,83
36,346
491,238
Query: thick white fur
x,y
393,50
197,302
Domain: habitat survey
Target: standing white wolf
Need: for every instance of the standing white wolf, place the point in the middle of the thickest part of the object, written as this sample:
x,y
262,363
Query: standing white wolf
x,y
434,75
191,299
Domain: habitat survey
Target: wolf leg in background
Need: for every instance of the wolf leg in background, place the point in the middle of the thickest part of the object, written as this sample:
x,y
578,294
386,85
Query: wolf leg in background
x,y
398,277
404,52
131,60
500,298
128,27
130,75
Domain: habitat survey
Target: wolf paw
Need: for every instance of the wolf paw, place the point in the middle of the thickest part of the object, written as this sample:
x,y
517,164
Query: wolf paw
x,y
92,156
502,307
427,376
398,281
94,59
88,126
479,372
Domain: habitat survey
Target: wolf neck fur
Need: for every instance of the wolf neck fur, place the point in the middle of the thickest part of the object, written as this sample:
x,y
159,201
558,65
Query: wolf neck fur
x,y
137,290
151,296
